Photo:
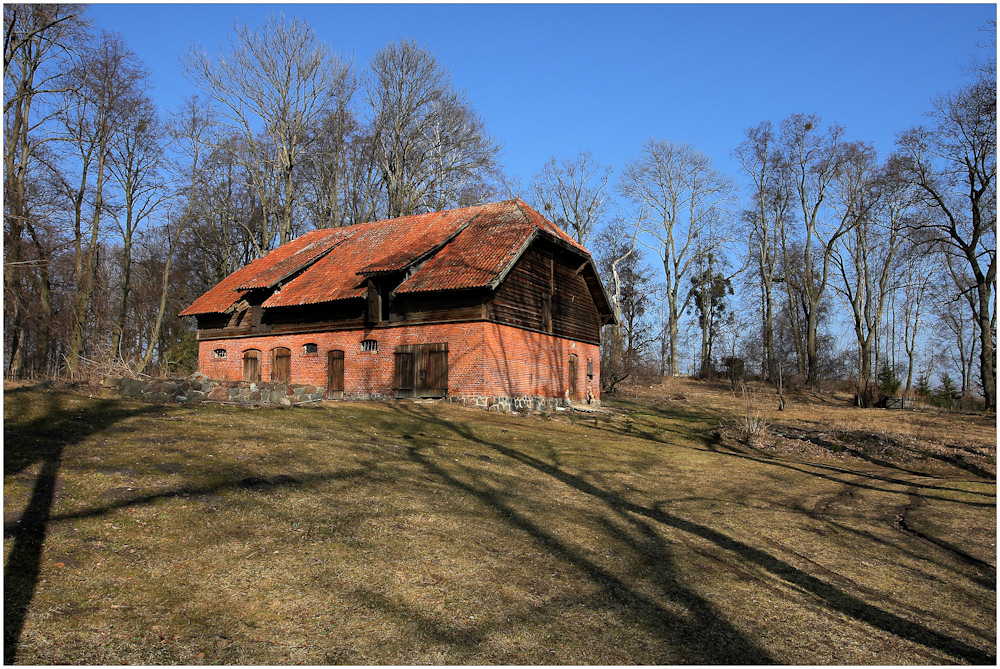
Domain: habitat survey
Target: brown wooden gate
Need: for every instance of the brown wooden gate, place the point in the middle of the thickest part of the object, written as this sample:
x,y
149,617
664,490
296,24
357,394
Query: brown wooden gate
x,y
421,370
335,375
251,366
281,364
573,367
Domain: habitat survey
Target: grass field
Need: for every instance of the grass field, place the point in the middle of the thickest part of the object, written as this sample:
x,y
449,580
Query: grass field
x,y
412,533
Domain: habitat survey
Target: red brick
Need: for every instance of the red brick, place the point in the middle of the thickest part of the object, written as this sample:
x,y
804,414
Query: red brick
x,y
484,358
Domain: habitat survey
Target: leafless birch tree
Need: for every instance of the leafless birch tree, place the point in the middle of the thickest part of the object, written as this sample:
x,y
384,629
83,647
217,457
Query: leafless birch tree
x,y
683,195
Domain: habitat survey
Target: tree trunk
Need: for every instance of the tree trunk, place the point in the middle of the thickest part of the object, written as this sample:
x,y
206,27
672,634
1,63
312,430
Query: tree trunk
x,y
86,276
165,284
116,340
987,354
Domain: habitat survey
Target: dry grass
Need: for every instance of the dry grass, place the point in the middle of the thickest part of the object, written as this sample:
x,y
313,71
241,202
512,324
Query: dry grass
x,y
410,533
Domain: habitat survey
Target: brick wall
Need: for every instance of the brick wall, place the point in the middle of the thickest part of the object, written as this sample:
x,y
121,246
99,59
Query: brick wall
x,y
484,359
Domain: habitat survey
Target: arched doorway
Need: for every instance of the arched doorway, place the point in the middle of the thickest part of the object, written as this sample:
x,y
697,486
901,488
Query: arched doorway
x,y
251,366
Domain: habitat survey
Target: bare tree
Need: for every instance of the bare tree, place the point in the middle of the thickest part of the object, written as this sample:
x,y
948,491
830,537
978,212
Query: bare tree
x,y
135,167
630,287
813,159
953,163
104,85
168,257
328,159
874,203
272,87
683,196
37,44
771,198
571,193
920,273
429,145
956,332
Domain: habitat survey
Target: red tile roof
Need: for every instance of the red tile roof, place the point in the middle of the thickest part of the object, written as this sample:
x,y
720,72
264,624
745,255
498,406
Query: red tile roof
x,y
460,248
230,290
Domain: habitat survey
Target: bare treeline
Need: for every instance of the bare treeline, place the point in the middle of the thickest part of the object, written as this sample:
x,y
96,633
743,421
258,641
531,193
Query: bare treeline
x,y
817,261
900,253
117,214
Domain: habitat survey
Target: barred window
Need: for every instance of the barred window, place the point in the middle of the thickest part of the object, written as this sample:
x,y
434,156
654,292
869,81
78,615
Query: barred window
x,y
220,353
369,345
311,348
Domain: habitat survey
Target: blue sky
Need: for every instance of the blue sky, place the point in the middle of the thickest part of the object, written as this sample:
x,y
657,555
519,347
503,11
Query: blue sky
x,y
557,79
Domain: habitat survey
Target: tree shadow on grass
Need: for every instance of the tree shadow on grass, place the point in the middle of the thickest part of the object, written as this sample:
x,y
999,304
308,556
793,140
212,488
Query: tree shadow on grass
x,y
715,444
722,643
42,439
744,650
45,440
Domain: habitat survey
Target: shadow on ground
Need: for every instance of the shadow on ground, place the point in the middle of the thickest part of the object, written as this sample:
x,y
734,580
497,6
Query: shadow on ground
x,y
717,641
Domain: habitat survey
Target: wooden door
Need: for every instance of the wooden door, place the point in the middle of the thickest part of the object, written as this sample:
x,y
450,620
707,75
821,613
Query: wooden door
x,y
251,366
281,365
573,367
432,374
335,375
421,370
402,384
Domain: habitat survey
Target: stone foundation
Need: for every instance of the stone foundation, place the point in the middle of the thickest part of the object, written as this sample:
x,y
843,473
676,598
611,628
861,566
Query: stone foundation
x,y
514,404
198,388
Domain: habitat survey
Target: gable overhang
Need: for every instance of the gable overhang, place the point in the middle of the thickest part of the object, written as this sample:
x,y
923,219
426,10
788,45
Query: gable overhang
x,y
588,269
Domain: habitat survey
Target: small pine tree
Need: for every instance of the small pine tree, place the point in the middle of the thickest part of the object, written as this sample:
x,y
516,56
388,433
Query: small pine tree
x,y
923,387
947,389
888,382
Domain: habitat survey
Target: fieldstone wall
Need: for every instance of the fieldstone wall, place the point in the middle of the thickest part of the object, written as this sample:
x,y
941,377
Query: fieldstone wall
x,y
199,387
513,404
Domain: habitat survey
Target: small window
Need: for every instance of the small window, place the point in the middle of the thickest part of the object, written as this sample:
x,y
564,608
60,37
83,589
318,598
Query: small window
x,y
369,345
220,353
311,348
590,368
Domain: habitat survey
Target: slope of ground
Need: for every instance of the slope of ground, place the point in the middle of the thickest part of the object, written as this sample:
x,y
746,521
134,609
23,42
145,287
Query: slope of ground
x,y
411,533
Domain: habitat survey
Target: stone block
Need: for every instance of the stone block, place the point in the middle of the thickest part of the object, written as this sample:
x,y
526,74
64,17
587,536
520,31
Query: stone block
x,y
219,394
130,388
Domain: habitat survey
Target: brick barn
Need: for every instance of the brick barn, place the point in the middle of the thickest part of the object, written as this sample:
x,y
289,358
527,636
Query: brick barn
x,y
491,303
